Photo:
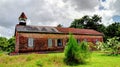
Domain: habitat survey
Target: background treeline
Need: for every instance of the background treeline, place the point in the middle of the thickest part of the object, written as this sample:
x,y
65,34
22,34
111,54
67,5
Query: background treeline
x,y
94,22
7,45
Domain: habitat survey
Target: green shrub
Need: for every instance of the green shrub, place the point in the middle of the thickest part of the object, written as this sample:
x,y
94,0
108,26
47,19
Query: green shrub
x,y
101,46
76,53
111,47
84,51
7,45
92,46
72,52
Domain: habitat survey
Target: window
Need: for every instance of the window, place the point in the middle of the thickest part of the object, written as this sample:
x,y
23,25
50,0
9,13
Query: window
x,y
49,42
30,42
78,41
59,42
55,42
96,41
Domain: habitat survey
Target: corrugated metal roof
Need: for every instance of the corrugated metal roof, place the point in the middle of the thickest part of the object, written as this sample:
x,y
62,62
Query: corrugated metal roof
x,y
48,29
22,28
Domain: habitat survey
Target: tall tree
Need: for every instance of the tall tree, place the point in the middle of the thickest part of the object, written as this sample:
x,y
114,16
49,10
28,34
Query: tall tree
x,y
88,23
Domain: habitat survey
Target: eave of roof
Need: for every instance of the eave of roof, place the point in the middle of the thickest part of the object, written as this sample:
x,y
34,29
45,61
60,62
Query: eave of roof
x,y
60,33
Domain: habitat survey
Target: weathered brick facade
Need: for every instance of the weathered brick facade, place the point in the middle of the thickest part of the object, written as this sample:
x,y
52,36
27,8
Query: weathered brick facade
x,y
41,41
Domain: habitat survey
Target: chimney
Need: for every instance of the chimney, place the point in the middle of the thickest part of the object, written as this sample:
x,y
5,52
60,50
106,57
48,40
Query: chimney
x,y
22,19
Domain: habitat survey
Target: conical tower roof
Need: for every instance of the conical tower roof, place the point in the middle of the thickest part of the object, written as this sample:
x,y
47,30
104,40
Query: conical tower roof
x,y
23,15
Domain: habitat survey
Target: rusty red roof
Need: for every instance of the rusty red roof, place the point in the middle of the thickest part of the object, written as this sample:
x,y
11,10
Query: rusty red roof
x,y
23,15
78,31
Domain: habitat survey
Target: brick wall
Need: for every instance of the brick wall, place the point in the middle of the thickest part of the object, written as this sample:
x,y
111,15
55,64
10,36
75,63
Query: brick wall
x,y
41,41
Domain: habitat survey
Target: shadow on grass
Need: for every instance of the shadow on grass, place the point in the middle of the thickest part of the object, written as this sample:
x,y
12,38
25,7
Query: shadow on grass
x,y
79,64
75,63
108,54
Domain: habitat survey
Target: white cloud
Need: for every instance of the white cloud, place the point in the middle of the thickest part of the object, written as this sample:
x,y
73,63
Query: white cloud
x,y
6,32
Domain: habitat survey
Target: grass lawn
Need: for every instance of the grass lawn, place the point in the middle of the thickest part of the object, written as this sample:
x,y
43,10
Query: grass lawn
x,y
56,60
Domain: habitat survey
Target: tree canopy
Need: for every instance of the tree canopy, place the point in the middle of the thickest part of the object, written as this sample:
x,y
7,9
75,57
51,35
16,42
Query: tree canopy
x,y
59,25
113,30
7,44
88,22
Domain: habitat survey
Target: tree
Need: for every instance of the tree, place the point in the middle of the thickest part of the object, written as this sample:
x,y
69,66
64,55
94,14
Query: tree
x,y
84,51
7,44
72,52
59,25
3,43
101,28
113,30
88,22
11,45
80,23
75,53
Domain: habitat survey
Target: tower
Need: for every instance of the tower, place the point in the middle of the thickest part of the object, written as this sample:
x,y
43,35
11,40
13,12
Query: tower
x,y
22,19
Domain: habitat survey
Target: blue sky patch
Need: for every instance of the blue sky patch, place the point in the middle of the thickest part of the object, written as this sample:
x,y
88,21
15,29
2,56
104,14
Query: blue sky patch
x,y
101,8
103,0
116,18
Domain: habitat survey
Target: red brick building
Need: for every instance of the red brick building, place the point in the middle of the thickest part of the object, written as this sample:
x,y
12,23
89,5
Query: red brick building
x,y
46,38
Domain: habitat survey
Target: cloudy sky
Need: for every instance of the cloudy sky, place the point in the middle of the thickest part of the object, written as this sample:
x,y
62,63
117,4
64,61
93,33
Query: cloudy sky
x,y
54,12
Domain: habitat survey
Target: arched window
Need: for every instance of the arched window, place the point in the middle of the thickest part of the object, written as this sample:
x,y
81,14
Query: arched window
x,y
49,42
30,42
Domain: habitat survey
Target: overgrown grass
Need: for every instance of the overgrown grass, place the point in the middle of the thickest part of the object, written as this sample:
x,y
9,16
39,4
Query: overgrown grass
x,y
56,60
